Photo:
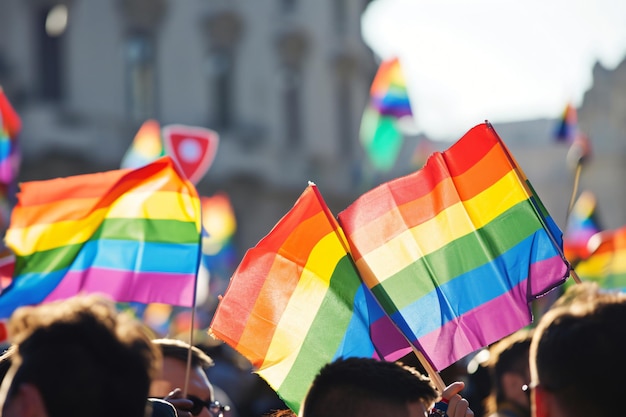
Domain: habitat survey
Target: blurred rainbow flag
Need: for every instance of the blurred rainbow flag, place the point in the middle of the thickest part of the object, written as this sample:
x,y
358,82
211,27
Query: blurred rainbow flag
x,y
10,156
567,126
219,254
607,262
582,224
218,220
389,101
131,234
389,95
146,147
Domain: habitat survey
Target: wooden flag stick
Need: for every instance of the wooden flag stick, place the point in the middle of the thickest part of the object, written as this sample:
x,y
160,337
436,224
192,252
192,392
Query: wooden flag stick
x,y
193,316
432,373
579,167
575,276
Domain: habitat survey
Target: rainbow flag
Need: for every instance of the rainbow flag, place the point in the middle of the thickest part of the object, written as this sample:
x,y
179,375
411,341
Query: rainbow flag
x,y
146,147
582,224
388,92
381,139
219,254
389,101
10,127
607,262
567,126
296,302
131,234
456,251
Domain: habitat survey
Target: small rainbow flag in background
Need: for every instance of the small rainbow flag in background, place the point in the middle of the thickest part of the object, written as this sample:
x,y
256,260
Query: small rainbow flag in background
x,y
389,101
582,224
146,147
607,263
131,234
448,248
389,95
296,302
567,127
10,127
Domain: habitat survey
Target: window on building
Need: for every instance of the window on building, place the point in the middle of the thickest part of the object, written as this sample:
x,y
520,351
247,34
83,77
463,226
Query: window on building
x,y
140,77
287,6
51,24
221,69
340,16
292,102
344,117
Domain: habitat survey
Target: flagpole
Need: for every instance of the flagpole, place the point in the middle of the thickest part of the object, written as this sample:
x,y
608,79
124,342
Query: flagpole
x,y
193,308
579,167
432,373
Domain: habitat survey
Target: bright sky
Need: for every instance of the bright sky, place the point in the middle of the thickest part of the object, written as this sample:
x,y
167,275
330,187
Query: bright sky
x,y
467,61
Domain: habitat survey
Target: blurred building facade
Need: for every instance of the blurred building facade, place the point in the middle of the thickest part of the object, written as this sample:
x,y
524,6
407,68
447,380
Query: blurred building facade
x,y
284,82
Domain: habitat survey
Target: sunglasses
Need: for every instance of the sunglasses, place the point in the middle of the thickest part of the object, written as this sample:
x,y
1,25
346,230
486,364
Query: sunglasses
x,y
215,407
439,410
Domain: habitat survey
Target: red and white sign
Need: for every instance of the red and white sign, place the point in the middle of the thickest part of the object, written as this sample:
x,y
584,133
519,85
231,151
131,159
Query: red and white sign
x,y
192,148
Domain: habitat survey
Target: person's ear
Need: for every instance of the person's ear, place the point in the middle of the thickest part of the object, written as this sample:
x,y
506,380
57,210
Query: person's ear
x,y
26,401
540,400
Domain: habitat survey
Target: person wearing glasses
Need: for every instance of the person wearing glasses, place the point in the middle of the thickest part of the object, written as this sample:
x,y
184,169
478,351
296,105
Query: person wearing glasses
x,y
577,355
169,385
366,387
510,376
75,358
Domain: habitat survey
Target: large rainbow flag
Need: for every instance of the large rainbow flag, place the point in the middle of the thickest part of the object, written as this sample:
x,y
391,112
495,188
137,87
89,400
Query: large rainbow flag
x,y
131,234
456,251
296,302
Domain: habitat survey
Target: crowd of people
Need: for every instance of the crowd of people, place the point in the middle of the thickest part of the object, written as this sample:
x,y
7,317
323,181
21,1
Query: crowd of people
x,y
82,357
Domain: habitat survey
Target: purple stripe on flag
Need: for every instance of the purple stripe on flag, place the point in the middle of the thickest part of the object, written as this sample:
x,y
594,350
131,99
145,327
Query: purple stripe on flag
x,y
486,323
389,341
543,273
477,328
142,287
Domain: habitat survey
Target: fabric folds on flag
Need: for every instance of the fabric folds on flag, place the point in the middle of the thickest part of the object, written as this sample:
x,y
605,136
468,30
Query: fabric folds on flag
x,y
461,241
296,302
131,234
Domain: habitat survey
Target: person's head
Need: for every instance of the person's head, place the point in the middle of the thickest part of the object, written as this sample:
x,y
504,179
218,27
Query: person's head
x,y
366,387
577,357
510,373
175,355
281,413
77,357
